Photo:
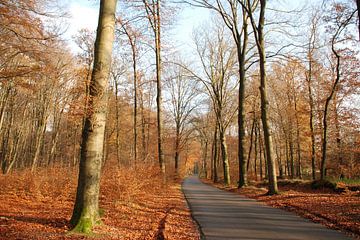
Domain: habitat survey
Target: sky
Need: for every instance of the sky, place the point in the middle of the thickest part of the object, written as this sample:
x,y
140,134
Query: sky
x,y
84,14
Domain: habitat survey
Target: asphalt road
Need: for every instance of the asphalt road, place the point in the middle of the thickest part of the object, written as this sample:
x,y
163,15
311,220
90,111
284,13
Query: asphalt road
x,y
224,215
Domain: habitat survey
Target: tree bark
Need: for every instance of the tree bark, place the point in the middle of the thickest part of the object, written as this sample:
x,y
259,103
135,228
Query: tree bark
x,y
215,155
224,157
177,150
259,35
251,144
241,54
86,209
326,108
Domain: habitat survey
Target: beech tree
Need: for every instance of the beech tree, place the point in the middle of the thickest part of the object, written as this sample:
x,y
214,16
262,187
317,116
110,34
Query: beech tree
x,y
86,208
152,9
260,43
217,59
343,17
182,95
133,38
236,19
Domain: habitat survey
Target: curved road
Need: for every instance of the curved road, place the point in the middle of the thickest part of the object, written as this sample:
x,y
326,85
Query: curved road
x,y
224,215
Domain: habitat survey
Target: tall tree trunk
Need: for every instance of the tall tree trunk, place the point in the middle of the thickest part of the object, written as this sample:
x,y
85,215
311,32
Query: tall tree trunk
x,y
241,53
117,119
157,32
177,149
291,148
339,154
205,159
39,140
326,108
273,189
224,156
86,209
261,155
255,153
280,165
133,48
311,112
298,145
215,154
143,135
251,144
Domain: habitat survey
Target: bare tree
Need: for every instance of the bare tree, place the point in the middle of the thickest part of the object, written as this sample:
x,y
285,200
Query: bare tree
x,y
235,18
133,36
260,43
86,208
343,17
182,95
217,58
153,15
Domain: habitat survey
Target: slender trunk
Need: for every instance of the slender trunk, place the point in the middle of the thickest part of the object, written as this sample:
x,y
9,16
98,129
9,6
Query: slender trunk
x,y
143,136
133,48
224,156
117,119
6,142
212,160
105,142
273,189
291,148
205,159
241,52
55,135
280,166
311,115
39,141
339,154
215,154
158,86
18,142
52,154
255,153
177,150
86,208
261,155
327,104
298,147
251,144
3,102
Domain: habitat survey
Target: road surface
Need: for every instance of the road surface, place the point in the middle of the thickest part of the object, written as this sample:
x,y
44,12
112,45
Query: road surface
x,y
224,215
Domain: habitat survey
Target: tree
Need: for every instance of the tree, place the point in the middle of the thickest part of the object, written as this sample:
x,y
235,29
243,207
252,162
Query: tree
x,y
217,59
182,95
311,47
236,20
260,43
133,36
86,208
153,15
343,17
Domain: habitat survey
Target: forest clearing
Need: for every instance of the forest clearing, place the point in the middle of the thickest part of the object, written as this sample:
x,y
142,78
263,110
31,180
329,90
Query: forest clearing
x,y
113,115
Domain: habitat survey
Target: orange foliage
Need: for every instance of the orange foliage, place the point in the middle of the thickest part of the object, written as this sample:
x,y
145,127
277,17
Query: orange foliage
x,y
135,203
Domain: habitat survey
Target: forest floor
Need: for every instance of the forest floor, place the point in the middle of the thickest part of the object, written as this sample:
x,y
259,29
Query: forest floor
x,y
135,205
340,211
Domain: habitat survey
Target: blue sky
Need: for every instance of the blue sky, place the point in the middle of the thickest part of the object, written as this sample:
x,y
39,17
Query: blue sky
x,y
84,14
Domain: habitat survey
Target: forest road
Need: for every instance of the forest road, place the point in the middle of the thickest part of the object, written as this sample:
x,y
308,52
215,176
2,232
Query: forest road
x,y
224,215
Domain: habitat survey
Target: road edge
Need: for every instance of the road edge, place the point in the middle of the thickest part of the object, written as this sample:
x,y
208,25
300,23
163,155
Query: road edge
x,y
202,235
